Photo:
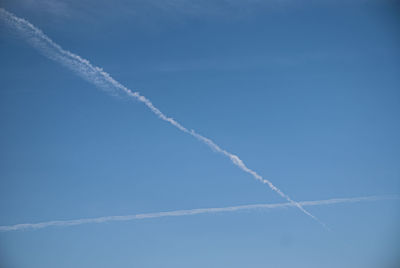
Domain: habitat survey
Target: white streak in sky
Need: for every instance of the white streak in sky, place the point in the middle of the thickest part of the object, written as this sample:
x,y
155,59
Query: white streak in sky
x,y
35,226
101,79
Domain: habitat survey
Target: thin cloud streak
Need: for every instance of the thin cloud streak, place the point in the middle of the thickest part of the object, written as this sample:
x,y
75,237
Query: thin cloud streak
x,y
176,213
102,79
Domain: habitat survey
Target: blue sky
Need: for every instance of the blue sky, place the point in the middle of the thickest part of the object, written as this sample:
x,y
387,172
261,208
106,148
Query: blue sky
x,y
307,94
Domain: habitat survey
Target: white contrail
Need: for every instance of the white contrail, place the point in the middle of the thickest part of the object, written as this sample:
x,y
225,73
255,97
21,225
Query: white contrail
x,y
100,78
34,226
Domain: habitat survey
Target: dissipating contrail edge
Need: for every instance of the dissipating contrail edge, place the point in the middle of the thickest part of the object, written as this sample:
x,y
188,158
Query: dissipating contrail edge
x,y
175,213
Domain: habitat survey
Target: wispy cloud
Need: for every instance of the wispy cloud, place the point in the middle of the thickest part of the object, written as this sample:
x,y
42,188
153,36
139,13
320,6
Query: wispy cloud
x,y
176,213
156,12
102,79
147,9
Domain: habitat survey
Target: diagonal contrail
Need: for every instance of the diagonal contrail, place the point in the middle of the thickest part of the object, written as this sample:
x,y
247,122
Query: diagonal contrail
x,y
35,226
100,78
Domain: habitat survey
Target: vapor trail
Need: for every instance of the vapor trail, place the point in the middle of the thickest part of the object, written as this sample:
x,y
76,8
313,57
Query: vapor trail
x,y
101,79
35,226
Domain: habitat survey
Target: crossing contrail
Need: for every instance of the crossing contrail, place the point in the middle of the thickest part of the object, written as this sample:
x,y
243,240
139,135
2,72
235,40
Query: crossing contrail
x,y
175,213
103,80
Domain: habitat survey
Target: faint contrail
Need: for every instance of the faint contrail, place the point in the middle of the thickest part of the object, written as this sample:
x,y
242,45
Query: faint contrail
x,y
100,78
41,225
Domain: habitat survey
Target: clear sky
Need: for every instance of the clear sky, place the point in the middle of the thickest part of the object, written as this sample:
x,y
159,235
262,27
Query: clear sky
x,y
306,93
